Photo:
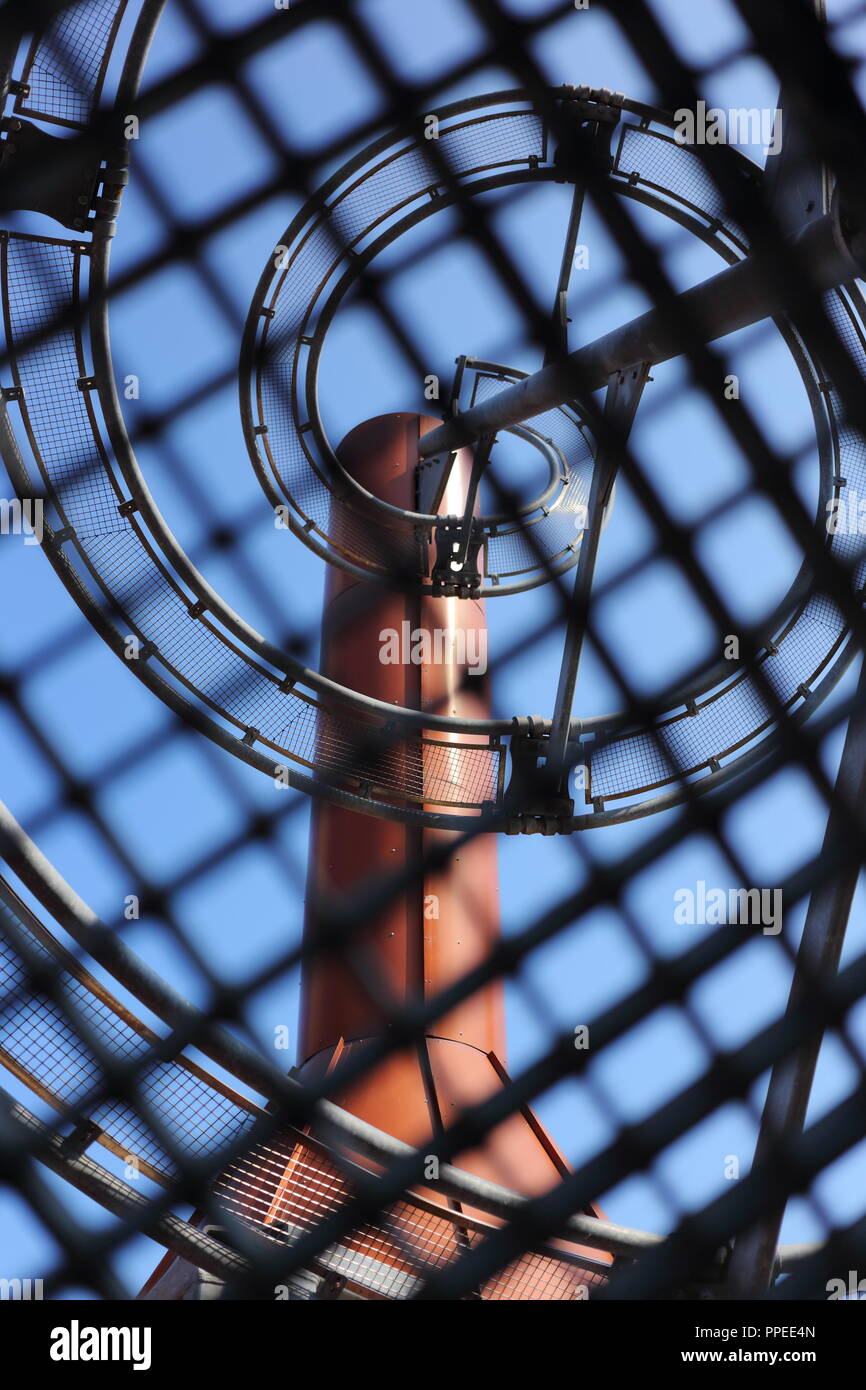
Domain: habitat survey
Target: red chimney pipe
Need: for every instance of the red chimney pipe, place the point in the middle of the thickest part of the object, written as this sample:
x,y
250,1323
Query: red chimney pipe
x,y
431,934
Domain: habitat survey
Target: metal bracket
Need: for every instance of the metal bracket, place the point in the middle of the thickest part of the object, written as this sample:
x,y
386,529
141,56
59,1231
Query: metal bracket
x,y
431,480
534,798
85,1133
623,395
459,541
588,139
592,103
45,174
453,537
592,127
432,474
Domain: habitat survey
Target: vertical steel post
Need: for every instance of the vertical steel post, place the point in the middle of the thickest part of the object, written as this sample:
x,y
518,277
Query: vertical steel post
x,y
784,1113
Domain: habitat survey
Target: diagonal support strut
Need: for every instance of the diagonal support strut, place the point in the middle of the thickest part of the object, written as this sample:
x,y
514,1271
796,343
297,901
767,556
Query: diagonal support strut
x,y
623,396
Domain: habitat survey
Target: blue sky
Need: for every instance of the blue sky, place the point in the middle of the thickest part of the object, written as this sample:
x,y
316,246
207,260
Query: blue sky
x,y
170,807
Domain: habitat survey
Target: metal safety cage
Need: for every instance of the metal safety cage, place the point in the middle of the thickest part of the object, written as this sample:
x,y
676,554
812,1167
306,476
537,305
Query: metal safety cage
x,y
289,1186
269,699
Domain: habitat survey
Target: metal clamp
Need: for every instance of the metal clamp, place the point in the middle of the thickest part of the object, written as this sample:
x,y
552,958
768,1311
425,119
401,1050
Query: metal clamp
x,y
452,539
535,797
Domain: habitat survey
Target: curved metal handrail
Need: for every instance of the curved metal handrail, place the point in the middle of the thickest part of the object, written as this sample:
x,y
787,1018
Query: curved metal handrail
x,y
605,743
251,1068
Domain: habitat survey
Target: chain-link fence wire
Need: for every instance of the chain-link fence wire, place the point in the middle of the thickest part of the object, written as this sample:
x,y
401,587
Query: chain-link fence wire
x,y
99,1068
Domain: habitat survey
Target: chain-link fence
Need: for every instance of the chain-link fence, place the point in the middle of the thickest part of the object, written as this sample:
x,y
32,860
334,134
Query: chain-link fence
x,y
650,1009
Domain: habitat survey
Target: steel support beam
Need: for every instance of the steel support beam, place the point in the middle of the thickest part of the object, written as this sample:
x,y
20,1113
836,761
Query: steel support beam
x,y
623,394
738,296
754,1254
797,184
598,138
